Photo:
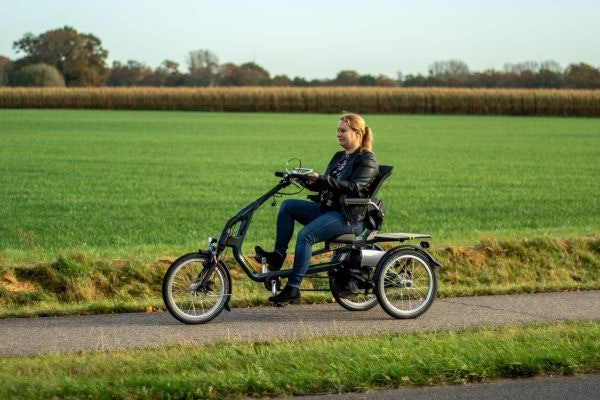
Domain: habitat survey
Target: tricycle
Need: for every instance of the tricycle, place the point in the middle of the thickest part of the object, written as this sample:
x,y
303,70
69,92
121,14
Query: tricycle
x,y
360,272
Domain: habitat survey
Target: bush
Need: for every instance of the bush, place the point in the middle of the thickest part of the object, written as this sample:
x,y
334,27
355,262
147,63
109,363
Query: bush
x,y
38,75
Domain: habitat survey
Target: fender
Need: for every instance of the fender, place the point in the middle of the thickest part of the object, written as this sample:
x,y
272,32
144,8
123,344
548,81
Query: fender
x,y
230,286
420,250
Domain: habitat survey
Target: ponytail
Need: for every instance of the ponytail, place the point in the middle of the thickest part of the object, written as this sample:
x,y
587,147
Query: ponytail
x,y
367,140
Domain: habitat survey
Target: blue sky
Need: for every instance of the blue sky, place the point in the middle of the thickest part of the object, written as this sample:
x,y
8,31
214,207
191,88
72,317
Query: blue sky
x,y
317,39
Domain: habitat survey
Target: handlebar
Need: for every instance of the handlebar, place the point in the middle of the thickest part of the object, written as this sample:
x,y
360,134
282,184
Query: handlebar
x,y
296,173
290,175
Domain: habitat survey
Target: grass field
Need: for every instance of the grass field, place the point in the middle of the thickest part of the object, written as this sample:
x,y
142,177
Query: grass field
x,y
117,183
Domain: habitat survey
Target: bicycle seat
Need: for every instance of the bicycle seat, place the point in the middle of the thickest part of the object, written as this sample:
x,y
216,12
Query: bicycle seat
x,y
345,239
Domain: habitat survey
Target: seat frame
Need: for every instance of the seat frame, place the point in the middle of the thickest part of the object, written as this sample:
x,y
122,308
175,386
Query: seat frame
x,y
384,172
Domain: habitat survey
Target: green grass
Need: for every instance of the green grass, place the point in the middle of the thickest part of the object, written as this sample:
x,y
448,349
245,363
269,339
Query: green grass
x,y
323,365
120,184
78,284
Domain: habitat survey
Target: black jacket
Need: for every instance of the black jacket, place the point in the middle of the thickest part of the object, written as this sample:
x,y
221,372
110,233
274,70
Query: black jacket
x,y
353,181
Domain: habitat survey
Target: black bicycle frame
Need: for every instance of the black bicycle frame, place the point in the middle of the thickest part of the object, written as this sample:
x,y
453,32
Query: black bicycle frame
x,y
242,221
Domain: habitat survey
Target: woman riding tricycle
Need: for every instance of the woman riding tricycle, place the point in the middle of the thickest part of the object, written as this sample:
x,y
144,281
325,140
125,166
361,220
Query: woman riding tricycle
x,y
343,214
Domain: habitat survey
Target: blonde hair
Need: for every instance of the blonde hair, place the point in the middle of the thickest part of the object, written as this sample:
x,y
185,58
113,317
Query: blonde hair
x,y
358,125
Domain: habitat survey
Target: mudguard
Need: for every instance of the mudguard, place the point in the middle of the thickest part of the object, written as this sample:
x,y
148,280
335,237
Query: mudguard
x,y
420,250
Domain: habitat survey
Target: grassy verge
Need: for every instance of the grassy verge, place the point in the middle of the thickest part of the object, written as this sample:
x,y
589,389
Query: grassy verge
x,y
233,370
78,284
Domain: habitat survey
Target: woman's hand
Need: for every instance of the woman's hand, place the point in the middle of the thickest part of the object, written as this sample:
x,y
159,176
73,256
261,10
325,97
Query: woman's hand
x,y
311,177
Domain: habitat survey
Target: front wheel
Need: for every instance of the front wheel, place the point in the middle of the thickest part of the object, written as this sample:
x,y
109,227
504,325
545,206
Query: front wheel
x,y
405,283
186,298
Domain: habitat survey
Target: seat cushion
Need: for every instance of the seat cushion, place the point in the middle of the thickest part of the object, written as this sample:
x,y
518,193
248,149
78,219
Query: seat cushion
x,y
346,238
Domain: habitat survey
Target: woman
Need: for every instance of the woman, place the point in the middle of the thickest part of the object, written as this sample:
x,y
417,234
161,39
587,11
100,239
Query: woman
x,y
349,173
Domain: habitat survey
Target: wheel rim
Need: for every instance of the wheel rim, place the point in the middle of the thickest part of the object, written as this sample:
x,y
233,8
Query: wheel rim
x,y
348,293
359,300
407,284
192,301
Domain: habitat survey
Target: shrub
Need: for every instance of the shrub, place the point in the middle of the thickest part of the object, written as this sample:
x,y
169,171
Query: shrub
x,y
38,75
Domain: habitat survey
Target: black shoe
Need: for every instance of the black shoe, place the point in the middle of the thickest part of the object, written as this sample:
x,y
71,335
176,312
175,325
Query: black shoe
x,y
274,259
289,294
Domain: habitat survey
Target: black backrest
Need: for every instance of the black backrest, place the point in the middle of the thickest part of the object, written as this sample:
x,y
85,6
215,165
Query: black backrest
x,y
384,172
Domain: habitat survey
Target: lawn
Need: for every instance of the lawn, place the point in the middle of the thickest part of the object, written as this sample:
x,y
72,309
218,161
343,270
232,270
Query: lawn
x,y
118,183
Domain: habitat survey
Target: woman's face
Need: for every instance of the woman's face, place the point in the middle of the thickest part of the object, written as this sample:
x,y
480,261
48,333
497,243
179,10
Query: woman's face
x,y
349,139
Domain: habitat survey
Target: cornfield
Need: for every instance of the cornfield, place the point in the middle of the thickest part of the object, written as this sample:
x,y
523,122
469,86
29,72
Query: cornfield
x,y
580,103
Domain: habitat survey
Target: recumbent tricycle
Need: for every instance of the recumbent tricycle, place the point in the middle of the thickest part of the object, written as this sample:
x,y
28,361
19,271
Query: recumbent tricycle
x,y
197,286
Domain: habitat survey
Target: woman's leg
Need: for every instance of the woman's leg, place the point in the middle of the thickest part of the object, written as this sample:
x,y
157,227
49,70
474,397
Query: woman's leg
x,y
325,227
292,210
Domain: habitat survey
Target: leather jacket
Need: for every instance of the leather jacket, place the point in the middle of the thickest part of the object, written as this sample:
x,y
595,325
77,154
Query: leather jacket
x,y
353,181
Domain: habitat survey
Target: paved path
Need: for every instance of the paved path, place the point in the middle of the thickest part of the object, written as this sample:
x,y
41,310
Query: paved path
x,y
578,387
104,332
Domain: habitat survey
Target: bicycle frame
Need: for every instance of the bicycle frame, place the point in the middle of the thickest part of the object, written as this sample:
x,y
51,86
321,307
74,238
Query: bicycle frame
x,y
235,240
242,221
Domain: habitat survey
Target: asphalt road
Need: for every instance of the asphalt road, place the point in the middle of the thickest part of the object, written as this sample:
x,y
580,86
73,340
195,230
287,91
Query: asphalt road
x,y
105,332
579,387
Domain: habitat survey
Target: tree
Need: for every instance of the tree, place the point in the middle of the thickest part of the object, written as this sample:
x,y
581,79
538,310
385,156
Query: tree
x,y
299,81
347,78
167,74
449,73
547,78
383,80
38,75
202,67
80,58
281,80
247,74
253,74
228,75
415,80
5,67
366,80
582,76
131,74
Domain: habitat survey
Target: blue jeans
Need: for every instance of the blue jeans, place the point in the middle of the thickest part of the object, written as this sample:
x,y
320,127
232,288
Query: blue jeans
x,y
319,225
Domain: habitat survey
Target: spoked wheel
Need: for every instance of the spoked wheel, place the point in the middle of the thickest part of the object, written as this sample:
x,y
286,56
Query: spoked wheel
x,y
186,298
406,283
350,293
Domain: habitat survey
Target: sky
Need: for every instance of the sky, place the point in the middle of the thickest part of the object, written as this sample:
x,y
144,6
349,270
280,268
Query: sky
x,y
317,39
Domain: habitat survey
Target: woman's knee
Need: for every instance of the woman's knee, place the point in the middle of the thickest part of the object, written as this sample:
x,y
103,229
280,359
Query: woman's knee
x,y
306,236
284,207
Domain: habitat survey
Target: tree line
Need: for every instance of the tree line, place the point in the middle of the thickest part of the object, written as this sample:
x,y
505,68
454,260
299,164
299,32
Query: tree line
x,y
66,57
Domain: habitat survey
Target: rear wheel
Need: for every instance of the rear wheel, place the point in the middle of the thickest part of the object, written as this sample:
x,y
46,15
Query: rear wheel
x,y
405,283
186,298
349,292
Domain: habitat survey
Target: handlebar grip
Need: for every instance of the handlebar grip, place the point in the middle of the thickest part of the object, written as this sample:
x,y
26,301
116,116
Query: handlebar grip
x,y
302,177
280,174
